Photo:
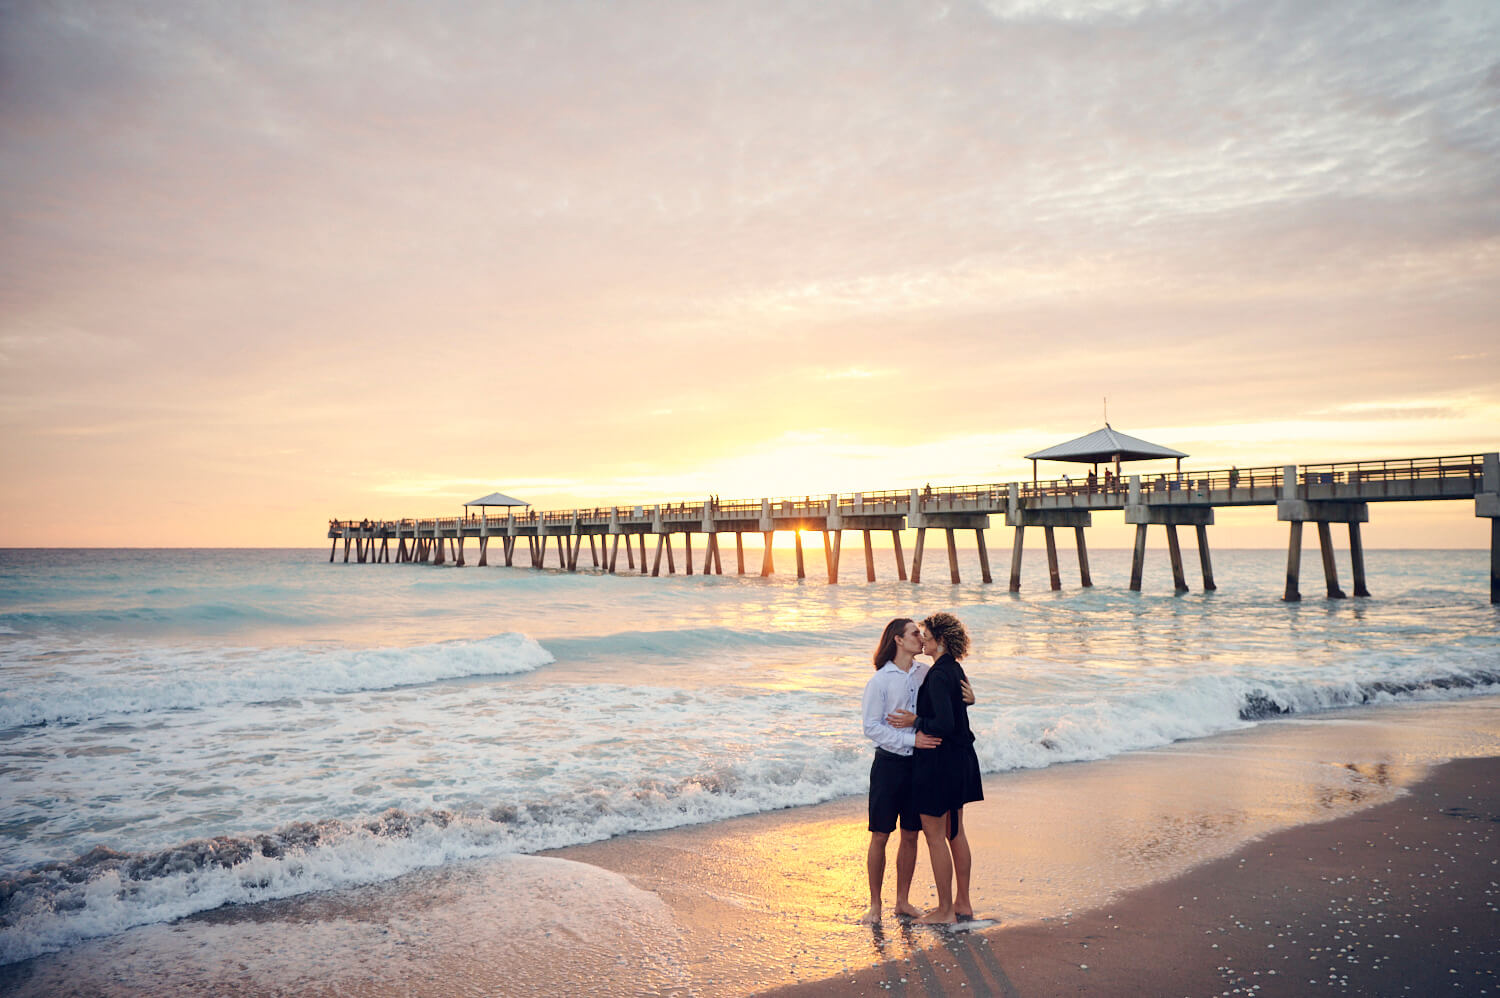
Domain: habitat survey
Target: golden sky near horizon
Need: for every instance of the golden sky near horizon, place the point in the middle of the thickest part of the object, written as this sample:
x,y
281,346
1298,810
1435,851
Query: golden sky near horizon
x,y
263,265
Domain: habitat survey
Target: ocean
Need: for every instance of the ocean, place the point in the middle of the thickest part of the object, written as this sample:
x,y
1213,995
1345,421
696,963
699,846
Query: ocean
x,y
186,729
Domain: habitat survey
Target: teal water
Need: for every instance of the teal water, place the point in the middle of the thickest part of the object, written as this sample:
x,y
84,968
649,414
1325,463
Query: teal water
x,y
183,729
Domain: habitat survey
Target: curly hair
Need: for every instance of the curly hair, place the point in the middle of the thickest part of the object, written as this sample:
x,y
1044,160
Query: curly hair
x,y
885,651
948,631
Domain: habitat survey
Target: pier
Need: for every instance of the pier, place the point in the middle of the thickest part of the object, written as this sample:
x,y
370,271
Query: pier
x,y
1320,494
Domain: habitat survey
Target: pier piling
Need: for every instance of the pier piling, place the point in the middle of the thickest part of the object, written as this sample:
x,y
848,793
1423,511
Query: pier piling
x,y
1293,563
1017,546
1084,578
1357,560
1203,558
1053,575
1174,547
1330,569
1138,558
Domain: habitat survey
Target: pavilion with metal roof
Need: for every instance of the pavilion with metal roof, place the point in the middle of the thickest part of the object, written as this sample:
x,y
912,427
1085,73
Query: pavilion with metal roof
x,y
494,499
1104,446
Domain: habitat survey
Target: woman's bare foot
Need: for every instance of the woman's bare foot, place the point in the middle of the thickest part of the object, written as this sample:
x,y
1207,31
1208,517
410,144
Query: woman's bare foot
x,y
909,909
871,917
938,916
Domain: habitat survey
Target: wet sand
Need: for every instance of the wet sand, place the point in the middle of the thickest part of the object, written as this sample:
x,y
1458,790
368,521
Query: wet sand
x,y
1400,899
1328,850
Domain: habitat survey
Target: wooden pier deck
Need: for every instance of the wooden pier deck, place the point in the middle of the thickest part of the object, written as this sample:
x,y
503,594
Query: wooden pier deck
x,y
1322,494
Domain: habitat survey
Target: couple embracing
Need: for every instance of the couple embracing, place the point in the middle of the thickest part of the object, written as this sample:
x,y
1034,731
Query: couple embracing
x,y
925,768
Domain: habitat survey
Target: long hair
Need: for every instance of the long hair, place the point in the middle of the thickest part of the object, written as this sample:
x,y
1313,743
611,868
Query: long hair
x,y
886,650
948,631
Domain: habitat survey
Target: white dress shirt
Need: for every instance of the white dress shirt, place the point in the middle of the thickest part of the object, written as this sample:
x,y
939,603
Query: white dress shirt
x,y
890,690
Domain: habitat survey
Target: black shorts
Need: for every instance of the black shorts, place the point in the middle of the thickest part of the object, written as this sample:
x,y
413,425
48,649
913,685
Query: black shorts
x,y
891,793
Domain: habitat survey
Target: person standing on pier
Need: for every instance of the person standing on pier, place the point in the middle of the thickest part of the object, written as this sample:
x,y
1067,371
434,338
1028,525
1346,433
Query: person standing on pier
x,y
946,776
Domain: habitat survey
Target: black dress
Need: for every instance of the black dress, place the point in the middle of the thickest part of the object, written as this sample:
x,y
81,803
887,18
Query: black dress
x,y
946,777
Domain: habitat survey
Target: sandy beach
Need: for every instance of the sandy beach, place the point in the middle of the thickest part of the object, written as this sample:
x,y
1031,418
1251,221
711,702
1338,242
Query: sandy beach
x,y
1400,899
1328,855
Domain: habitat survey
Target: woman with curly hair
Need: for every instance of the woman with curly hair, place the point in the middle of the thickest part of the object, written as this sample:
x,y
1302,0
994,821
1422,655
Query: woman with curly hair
x,y
947,777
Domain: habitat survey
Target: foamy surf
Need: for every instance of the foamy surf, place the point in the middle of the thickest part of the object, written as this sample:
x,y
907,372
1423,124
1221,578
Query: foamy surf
x,y
104,891
166,679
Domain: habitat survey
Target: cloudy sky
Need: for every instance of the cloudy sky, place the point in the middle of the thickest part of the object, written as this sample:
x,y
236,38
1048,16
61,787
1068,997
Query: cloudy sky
x,y
266,263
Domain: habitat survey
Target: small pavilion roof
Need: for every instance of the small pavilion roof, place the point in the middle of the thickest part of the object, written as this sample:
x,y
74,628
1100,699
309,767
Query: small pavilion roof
x,y
497,499
1104,445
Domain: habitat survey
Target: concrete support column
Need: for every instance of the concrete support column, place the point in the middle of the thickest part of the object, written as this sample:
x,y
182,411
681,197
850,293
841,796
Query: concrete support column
x,y
833,561
1204,560
801,568
952,556
1293,563
331,549
1357,560
643,554
484,551
1015,558
1494,560
1053,574
708,555
593,555
439,556
459,561
869,559
900,557
1330,569
1084,578
1487,504
766,566
687,547
1179,577
614,553
984,557
739,551
1138,559
656,564
916,557
713,541
671,565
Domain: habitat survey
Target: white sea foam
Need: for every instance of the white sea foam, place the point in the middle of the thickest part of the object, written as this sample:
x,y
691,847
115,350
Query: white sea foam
x,y
248,773
597,798
163,679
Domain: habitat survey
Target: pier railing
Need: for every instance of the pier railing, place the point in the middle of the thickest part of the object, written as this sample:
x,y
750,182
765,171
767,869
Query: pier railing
x,y
1452,476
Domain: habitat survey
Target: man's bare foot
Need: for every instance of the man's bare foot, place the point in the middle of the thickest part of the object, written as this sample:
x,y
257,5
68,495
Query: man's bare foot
x,y
937,916
908,909
871,917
